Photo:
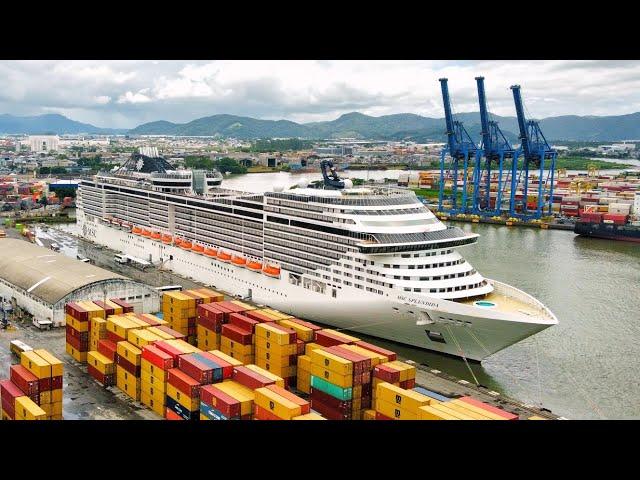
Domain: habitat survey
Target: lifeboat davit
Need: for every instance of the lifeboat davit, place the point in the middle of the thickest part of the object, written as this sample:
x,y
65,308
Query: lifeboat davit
x,y
210,252
167,239
239,261
271,271
224,256
186,244
136,231
146,233
255,266
197,248
156,235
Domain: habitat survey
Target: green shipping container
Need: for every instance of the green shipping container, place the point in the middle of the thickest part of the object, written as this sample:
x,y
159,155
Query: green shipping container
x,y
331,389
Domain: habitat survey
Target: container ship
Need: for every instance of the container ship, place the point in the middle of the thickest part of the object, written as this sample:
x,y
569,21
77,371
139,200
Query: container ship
x,y
371,260
615,226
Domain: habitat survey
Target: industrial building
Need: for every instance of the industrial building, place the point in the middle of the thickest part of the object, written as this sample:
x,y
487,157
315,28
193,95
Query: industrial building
x,y
40,282
44,143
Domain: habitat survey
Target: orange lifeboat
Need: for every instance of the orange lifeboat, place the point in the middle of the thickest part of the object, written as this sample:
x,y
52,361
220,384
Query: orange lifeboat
x,y
156,236
167,239
271,271
197,248
223,256
255,266
239,261
186,244
210,252
178,242
136,231
146,233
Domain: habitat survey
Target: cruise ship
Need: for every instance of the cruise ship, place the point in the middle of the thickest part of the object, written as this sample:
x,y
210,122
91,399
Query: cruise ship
x,y
372,260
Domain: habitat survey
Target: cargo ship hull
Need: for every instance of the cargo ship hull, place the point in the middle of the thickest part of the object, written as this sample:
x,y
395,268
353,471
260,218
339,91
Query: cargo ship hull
x,y
419,320
625,233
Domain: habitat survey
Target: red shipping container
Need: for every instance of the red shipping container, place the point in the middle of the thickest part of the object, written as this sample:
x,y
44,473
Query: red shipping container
x,y
408,384
56,382
107,309
313,327
127,365
242,321
344,406
616,218
70,331
392,356
209,310
380,416
175,334
158,357
197,298
105,380
250,379
148,321
221,401
126,307
108,349
76,311
386,373
197,370
9,391
300,347
230,307
170,349
44,384
183,382
9,409
264,414
227,368
115,338
328,339
237,334
24,379
171,415
81,346
305,407
328,412
259,316
208,323
489,408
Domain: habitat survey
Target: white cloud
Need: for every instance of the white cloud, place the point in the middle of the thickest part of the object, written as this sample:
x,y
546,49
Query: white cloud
x,y
127,93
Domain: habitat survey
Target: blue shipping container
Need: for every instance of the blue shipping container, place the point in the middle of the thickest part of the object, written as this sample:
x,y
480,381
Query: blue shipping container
x,y
181,409
429,393
217,369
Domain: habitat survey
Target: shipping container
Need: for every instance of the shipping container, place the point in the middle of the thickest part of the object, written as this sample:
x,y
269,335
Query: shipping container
x,y
24,380
157,406
195,368
158,380
100,363
459,413
490,408
391,356
244,394
407,372
333,390
428,412
309,416
160,333
276,333
303,332
265,373
237,334
141,337
35,364
127,366
242,321
160,359
189,402
406,399
224,365
183,382
260,316
274,402
129,352
108,349
169,331
180,410
275,348
329,412
106,380
76,354
27,409
214,397
431,394
250,378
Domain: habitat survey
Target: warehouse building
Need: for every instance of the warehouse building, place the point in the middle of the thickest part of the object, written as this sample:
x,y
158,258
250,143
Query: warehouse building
x,y
41,281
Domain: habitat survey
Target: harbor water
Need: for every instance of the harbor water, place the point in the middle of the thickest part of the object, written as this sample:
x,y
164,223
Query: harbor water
x,y
584,367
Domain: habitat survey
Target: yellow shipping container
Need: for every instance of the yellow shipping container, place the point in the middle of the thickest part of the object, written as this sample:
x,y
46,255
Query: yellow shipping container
x,y
241,393
212,294
93,309
271,333
304,333
330,376
279,380
47,408
407,399
76,324
407,372
347,338
56,365
376,358
27,409
444,407
304,381
130,386
277,349
329,361
117,308
78,356
243,305
461,409
93,344
473,408
141,337
427,412
159,383
35,364
310,347
122,373
154,391
276,404
281,371
233,361
120,325
191,404
279,315
160,333
368,415
309,416
156,405
278,361
154,318
273,317
129,352
394,411
57,417
183,346
178,298
304,362
56,408
98,325
45,396
100,362
153,370
243,359
56,395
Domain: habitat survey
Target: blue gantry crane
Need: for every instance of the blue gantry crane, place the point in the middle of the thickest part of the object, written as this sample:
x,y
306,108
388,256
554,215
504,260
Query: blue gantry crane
x,y
495,149
537,153
462,150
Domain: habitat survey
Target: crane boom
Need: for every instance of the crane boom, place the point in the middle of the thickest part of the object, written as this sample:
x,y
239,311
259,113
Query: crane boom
x,y
484,115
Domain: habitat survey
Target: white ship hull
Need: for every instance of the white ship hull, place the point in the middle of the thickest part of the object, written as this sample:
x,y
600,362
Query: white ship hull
x,y
443,326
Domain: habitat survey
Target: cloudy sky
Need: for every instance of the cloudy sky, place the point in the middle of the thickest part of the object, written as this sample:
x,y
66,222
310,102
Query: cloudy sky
x,y
123,94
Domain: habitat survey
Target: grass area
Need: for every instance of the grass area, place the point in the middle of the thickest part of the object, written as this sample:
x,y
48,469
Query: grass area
x,y
432,193
580,163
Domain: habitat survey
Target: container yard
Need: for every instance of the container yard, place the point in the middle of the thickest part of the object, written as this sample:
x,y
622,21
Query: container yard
x,y
244,362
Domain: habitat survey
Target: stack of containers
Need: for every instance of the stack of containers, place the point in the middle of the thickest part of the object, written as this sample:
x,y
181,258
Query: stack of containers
x,y
126,307
479,410
77,331
236,337
396,373
338,382
101,368
178,308
209,321
128,359
153,375
118,326
396,403
329,338
276,350
48,370
183,394
275,403
98,325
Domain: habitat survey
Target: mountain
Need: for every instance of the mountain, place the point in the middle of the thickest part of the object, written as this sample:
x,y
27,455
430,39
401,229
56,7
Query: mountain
x,y
404,126
51,123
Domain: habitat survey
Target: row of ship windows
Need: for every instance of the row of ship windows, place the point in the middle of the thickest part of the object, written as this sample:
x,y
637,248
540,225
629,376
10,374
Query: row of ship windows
x,y
204,217
302,214
438,277
308,241
310,233
448,289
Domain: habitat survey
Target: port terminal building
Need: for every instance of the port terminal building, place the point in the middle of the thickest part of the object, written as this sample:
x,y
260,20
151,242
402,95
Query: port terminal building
x,y
40,282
